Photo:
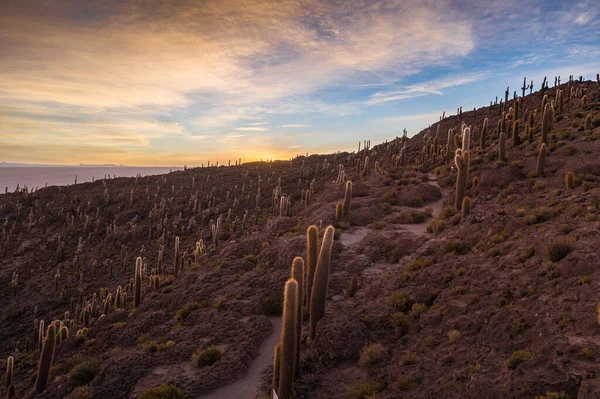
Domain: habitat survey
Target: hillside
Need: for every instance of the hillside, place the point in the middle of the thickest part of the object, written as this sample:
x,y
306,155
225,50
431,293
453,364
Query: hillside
x,y
499,300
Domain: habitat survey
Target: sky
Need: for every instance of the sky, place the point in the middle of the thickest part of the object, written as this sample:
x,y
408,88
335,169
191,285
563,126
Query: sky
x,y
170,83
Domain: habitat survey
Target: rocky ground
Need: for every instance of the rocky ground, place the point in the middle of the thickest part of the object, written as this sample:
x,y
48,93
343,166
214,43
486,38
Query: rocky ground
x,y
499,303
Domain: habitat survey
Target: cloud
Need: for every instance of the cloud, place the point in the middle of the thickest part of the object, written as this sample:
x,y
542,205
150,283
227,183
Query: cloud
x,y
292,126
425,88
252,128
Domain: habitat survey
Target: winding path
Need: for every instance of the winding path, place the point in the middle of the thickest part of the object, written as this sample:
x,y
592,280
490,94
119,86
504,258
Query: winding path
x,y
249,386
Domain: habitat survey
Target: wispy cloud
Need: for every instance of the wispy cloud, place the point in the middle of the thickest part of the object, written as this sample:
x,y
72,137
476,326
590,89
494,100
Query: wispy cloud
x,y
252,128
292,126
435,86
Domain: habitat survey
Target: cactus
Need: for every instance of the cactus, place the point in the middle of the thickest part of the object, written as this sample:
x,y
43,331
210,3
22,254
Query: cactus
x,y
466,207
503,147
353,286
321,281
137,298
588,122
298,275
584,100
462,160
569,180
515,133
276,364
312,253
176,257
545,125
288,340
541,160
339,211
347,197
9,372
483,134
529,132
46,359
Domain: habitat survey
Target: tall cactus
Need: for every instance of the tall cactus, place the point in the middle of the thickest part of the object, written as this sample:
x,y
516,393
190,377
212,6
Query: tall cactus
x,y
569,180
462,160
545,125
321,282
288,340
9,372
46,359
541,160
515,133
347,197
298,275
312,253
466,207
502,147
137,298
276,364
483,134
176,257
339,211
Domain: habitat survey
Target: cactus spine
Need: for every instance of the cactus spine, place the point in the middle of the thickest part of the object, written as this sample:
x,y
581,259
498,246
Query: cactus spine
x,y
541,160
462,160
321,281
298,275
312,253
137,298
569,180
502,146
46,359
288,340
347,197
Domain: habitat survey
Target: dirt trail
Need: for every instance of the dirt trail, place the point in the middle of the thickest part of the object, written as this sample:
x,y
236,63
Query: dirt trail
x,y
249,386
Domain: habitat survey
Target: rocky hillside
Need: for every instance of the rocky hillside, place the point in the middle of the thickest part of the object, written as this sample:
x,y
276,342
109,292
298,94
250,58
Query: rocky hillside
x,y
464,265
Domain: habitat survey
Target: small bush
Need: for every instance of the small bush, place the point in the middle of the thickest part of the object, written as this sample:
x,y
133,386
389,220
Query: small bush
x,y
185,311
456,247
365,390
586,353
431,341
517,358
417,309
403,382
389,198
553,395
559,249
436,226
251,258
409,358
206,357
409,217
84,373
419,263
539,215
83,392
401,300
371,355
272,305
162,392
453,335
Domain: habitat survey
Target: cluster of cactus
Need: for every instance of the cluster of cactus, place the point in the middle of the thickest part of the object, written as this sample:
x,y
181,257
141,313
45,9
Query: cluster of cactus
x,y
299,290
